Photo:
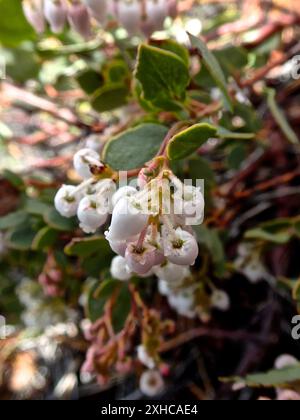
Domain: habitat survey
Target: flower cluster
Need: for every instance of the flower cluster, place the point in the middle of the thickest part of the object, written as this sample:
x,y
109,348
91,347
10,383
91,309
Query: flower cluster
x,y
150,225
136,16
92,199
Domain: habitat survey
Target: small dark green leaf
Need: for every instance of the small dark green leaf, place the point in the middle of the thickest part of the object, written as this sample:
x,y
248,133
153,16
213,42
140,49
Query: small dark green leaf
x,y
85,247
14,179
133,148
36,207
273,378
21,238
189,140
116,71
236,156
90,81
44,239
280,117
21,64
163,75
110,97
98,295
121,308
223,133
174,47
213,67
211,240
278,231
56,221
13,219
13,26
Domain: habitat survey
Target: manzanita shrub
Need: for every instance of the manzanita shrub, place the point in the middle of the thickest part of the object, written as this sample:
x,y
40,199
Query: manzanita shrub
x,y
149,196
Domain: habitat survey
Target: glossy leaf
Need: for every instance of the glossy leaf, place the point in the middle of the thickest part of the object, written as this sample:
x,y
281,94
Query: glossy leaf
x,y
134,147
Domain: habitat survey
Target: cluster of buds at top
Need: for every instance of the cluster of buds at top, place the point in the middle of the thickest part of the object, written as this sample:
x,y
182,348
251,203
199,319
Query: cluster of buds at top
x,y
136,16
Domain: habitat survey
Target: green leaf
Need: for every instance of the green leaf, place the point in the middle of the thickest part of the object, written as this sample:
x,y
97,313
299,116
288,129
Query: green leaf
x,y
110,97
89,81
21,239
85,247
189,140
58,222
14,179
121,308
44,239
214,69
236,156
133,148
98,295
174,47
223,133
21,64
232,59
36,207
280,117
199,168
278,231
13,26
116,71
163,75
12,220
273,378
250,117
260,234
211,240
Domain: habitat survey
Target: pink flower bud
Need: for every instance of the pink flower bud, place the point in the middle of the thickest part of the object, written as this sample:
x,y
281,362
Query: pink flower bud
x,y
56,14
156,13
79,19
140,260
164,369
55,275
130,14
88,366
172,8
98,9
33,11
142,179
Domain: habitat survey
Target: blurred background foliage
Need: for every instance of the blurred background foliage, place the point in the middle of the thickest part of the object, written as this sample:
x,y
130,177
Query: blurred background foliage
x,y
61,93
